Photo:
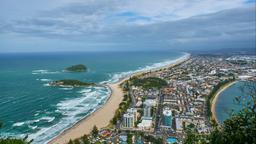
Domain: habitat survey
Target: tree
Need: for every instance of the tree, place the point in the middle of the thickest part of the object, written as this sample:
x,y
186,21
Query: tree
x,y
152,139
85,139
129,138
249,90
13,140
76,141
70,142
95,131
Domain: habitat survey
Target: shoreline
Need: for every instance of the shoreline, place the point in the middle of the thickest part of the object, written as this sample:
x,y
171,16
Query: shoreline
x,y
215,99
102,116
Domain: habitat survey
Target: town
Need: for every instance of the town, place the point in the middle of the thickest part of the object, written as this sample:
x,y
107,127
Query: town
x,y
159,106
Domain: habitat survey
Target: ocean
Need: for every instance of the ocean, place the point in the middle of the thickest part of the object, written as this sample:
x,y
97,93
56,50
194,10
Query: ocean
x,y
29,106
226,103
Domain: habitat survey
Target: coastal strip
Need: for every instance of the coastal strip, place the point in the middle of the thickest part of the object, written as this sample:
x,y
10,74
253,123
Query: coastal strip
x,y
215,99
102,116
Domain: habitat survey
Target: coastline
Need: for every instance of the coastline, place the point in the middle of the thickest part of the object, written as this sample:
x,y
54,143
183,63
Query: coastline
x,y
215,99
102,116
85,125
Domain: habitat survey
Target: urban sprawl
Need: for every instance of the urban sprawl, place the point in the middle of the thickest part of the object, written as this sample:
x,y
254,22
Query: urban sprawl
x,y
158,106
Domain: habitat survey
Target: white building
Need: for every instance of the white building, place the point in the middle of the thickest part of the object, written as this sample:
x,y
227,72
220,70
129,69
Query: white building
x,y
128,121
147,111
133,111
145,124
148,104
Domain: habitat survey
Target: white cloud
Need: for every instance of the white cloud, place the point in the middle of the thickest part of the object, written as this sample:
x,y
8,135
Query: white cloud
x,y
149,22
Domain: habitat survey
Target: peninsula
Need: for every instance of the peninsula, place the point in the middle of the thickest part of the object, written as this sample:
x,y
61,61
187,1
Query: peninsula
x,y
71,83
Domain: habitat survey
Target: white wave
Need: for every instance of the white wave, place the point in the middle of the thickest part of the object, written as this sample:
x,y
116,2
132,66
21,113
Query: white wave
x,y
35,72
66,88
119,76
85,91
36,114
47,84
29,122
12,135
45,80
17,124
32,121
48,119
39,71
72,109
33,127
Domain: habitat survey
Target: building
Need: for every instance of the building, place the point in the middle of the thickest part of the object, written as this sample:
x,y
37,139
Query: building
x,y
167,117
148,104
147,111
123,139
133,111
128,121
146,123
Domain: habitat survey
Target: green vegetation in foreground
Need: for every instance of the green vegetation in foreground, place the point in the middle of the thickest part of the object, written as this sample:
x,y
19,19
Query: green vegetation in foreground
x,y
13,140
70,82
240,128
76,68
213,93
148,83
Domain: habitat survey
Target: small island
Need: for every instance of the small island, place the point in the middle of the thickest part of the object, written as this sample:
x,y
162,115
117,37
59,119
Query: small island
x,y
70,83
76,68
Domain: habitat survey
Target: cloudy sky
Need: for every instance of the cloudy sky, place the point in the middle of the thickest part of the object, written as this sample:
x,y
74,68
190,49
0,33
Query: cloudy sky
x,y
106,25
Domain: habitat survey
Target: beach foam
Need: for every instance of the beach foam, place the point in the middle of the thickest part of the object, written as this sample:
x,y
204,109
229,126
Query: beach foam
x,y
45,80
118,76
29,122
72,111
17,124
36,72
46,85
66,88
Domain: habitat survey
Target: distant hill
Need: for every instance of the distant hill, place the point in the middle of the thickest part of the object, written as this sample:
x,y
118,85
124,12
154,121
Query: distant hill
x,y
224,51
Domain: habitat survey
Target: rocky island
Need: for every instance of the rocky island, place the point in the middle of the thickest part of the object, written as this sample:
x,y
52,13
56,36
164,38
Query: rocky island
x,y
76,68
70,83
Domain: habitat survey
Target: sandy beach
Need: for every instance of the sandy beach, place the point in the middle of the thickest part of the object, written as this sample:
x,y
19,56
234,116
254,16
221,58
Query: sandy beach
x,y
100,117
103,115
215,99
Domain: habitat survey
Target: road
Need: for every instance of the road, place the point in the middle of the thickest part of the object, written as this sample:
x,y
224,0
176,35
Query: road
x,y
159,113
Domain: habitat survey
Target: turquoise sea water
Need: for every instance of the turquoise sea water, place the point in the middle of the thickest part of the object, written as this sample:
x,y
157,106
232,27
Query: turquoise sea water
x,y
226,101
28,105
